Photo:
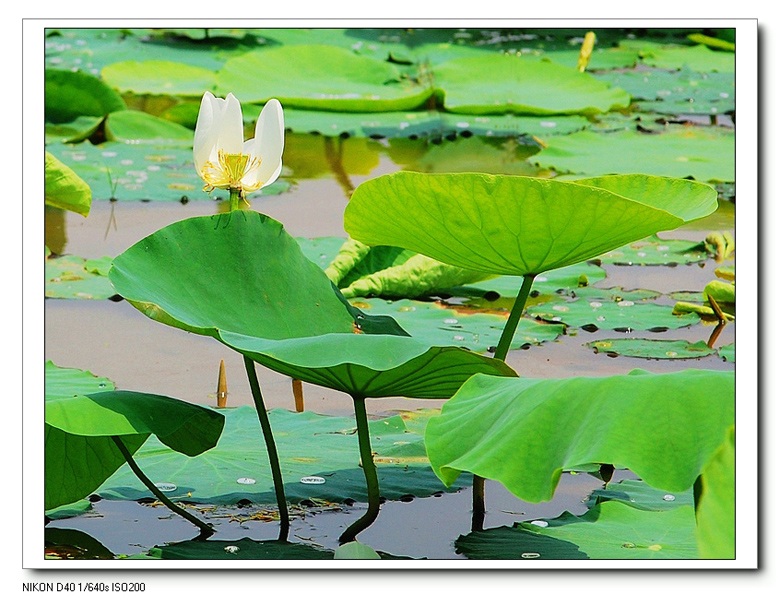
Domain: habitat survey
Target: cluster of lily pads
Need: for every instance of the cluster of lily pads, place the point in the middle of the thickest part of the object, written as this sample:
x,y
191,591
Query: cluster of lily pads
x,y
239,277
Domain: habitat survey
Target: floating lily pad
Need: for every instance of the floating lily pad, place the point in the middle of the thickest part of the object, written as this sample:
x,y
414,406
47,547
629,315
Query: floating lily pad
x,y
71,277
657,251
76,544
310,76
652,349
699,58
683,92
241,549
320,251
420,124
159,77
438,325
136,127
623,316
569,277
610,531
703,154
642,496
144,171
616,294
309,444
465,155
728,352
505,83
601,59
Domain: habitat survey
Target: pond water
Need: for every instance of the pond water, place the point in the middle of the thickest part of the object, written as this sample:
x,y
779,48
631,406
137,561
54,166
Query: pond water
x,y
112,339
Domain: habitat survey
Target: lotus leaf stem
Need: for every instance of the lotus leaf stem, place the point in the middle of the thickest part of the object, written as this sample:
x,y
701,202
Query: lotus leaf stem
x,y
273,457
369,470
514,318
205,530
502,349
477,503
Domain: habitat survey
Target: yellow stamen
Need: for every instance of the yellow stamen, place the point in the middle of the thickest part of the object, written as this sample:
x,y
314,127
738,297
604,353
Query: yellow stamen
x,y
229,170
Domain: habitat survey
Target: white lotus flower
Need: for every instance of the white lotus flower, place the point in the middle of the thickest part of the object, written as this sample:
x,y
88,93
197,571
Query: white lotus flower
x,y
223,159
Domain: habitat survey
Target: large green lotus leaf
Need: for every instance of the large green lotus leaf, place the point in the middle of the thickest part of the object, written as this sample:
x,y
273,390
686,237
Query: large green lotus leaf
x,y
610,531
71,277
134,127
311,76
64,188
76,465
64,382
309,444
369,365
623,316
441,326
184,427
79,448
652,349
238,271
525,432
159,77
70,94
512,225
506,83
716,512
704,154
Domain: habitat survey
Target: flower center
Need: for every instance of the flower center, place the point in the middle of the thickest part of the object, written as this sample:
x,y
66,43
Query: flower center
x,y
229,170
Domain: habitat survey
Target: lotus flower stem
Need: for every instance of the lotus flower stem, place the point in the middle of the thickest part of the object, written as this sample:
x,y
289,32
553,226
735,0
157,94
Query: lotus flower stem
x,y
235,199
205,530
273,457
514,318
369,470
478,483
